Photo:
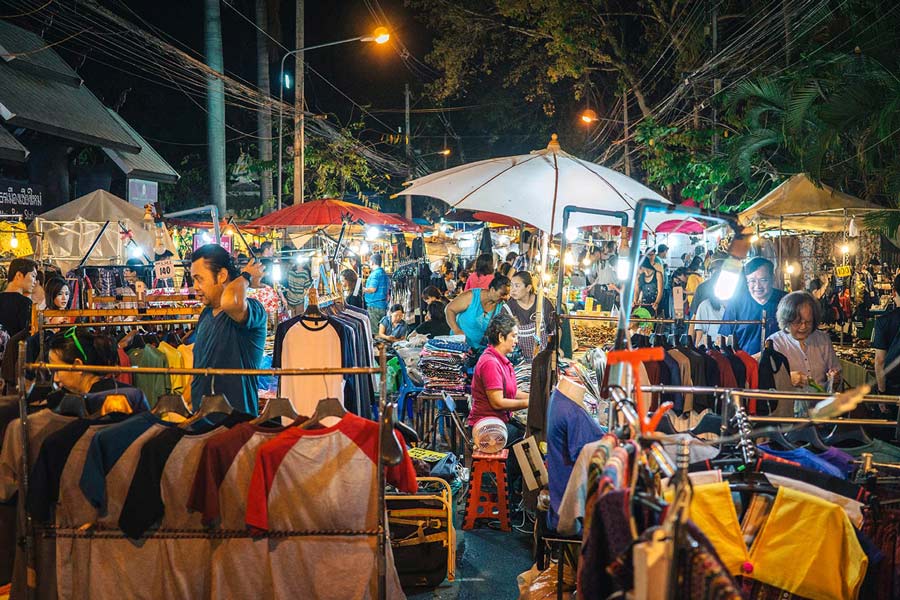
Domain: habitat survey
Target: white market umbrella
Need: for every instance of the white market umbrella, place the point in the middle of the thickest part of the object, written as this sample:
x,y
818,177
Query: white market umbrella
x,y
536,188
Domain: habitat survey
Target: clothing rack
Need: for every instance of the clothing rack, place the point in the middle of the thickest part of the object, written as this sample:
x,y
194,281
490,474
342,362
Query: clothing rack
x,y
28,536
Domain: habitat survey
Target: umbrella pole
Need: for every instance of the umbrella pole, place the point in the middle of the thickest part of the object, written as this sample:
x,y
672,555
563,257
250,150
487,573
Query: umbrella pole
x,y
545,251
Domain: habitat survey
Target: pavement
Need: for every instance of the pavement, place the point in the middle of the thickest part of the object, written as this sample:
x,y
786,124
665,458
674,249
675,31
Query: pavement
x,y
487,563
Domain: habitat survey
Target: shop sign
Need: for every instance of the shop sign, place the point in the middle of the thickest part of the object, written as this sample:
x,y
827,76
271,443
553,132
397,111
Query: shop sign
x,y
843,271
142,192
21,198
164,269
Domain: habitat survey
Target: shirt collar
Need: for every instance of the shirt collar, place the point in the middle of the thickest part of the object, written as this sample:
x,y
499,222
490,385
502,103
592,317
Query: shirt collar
x,y
502,358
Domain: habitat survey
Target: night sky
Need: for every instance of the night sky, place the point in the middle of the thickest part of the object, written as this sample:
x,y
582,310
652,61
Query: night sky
x,y
372,75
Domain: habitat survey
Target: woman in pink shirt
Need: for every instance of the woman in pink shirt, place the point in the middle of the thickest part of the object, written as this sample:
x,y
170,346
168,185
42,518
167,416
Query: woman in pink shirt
x,y
494,390
484,273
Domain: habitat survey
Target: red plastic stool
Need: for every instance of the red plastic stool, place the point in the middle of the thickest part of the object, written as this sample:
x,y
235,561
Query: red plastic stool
x,y
480,504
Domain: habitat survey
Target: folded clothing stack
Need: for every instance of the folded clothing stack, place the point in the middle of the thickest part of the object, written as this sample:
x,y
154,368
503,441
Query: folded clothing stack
x,y
442,364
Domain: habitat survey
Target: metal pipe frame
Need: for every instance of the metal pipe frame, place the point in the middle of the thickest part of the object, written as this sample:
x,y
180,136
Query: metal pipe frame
x,y
124,323
688,321
868,422
758,394
210,371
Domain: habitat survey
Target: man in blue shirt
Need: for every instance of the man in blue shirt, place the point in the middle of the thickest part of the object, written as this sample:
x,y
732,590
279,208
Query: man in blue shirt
x,y
231,331
376,293
750,303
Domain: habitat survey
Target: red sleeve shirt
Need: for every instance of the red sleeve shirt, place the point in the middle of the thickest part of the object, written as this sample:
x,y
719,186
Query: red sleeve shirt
x,y
492,372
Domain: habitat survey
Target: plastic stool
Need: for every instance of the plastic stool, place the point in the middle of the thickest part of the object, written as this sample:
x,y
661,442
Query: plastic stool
x,y
480,504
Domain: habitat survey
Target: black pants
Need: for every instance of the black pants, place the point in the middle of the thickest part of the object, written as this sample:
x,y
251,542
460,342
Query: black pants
x,y
515,432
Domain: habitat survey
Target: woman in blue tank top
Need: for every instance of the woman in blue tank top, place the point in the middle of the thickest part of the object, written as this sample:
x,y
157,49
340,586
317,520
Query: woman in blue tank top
x,y
470,312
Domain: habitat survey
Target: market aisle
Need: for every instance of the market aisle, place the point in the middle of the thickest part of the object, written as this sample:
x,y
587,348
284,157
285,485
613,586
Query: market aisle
x,y
488,562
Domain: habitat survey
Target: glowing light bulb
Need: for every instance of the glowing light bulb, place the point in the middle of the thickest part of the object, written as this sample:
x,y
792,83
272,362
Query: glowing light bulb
x,y
14,241
554,252
546,277
381,35
298,258
372,234
570,259
206,237
276,272
728,279
845,249
586,262
789,269
134,251
571,234
363,249
623,269
754,238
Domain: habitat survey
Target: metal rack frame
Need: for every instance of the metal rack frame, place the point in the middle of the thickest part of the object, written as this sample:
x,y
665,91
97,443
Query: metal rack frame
x,y
29,533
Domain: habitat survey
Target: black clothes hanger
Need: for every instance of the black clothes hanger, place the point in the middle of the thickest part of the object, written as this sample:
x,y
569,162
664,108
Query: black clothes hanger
x,y
686,341
275,409
807,435
391,452
665,424
72,405
710,423
409,434
776,439
842,434
327,407
210,404
171,403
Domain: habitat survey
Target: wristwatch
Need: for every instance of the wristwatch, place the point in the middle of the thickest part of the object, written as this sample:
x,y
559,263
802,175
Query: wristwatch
x,y
246,276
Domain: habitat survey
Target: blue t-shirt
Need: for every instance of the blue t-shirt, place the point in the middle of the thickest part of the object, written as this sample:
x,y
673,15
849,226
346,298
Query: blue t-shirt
x,y
398,331
744,308
379,280
223,343
569,428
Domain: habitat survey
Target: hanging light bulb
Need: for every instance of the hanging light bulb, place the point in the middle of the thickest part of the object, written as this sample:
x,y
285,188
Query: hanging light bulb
x,y
363,248
134,251
789,269
586,262
728,279
754,238
571,234
554,251
298,258
845,249
546,278
206,237
276,272
570,259
623,268
372,234
14,241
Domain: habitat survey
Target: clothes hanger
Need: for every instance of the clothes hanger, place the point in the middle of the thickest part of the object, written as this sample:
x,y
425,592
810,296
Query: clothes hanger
x,y
327,407
710,423
843,433
276,408
171,403
72,405
210,404
391,452
776,439
809,435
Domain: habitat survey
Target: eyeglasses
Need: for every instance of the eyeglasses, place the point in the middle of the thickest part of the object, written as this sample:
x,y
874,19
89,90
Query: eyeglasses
x,y
72,335
760,281
801,323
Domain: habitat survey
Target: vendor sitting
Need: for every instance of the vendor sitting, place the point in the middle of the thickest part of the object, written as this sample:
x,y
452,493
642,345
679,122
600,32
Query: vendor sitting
x,y
435,321
470,312
392,328
494,389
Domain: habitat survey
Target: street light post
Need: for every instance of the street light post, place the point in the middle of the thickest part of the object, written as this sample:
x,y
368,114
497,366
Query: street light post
x,y
379,36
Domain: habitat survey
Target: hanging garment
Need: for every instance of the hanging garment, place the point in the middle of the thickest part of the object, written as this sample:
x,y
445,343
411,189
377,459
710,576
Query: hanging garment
x,y
806,459
124,361
153,385
571,507
569,428
293,340
830,564
175,359
219,494
543,380
775,374
684,369
187,357
337,466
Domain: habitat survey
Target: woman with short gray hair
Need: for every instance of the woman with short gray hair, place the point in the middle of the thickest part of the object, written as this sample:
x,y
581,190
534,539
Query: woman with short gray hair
x,y
809,351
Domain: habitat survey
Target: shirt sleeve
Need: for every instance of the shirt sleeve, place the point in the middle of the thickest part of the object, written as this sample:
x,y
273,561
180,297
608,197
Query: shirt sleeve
x,y
881,337
402,475
727,328
10,460
256,315
144,504
93,477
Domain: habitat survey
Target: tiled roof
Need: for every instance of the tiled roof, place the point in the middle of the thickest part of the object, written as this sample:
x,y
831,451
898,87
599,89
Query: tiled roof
x,y
10,148
146,164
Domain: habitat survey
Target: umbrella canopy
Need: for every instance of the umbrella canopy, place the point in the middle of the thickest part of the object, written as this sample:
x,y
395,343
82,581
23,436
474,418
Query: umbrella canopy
x,y
536,187
494,218
326,211
686,226
800,205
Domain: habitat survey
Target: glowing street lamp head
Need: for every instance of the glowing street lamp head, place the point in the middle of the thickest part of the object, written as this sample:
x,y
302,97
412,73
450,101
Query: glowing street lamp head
x,y
381,35
14,241
729,277
589,116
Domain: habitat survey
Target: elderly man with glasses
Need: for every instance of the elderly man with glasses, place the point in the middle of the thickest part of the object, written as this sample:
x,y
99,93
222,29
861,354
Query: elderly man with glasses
x,y
750,303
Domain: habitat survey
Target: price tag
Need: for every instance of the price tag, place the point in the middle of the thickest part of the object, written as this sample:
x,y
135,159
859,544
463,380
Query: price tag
x,y
164,269
843,271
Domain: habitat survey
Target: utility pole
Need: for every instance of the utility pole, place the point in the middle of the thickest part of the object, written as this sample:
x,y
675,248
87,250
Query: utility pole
x,y
409,163
627,133
215,105
264,116
299,112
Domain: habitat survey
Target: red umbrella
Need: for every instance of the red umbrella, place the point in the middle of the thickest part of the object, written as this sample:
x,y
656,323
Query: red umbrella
x,y
326,211
686,226
406,224
498,219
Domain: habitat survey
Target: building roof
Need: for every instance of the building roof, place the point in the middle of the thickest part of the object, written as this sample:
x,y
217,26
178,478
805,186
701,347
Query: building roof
x,y
10,148
146,164
39,91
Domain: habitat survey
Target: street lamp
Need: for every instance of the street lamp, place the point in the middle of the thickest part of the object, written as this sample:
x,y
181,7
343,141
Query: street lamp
x,y
589,116
379,36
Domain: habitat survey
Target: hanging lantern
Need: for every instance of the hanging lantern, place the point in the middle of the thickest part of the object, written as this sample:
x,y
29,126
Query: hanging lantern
x,y
852,229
